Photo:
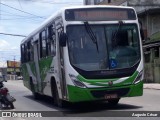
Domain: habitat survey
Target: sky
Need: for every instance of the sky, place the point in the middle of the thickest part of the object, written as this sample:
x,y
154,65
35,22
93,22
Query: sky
x,y
21,17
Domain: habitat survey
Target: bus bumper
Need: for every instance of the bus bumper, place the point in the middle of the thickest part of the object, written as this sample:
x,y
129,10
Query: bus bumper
x,y
76,94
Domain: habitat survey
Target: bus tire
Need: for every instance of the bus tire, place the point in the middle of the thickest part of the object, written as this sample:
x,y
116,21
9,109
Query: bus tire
x,y
35,94
113,101
57,101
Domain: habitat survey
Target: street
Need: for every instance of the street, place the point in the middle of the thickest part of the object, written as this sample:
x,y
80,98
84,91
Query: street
x,y
25,102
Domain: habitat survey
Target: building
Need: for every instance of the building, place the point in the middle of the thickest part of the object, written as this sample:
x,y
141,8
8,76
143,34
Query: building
x,y
148,12
10,69
92,2
3,69
102,2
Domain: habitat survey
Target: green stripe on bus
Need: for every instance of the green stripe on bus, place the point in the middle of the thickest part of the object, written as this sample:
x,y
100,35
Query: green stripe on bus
x,y
101,82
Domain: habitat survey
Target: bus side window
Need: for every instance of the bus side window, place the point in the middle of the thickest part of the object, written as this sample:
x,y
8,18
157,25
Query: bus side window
x,y
25,52
48,42
43,44
22,54
31,51
52,39
28,51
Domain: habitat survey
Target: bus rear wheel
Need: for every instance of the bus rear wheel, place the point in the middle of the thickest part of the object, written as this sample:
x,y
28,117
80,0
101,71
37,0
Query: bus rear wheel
x,y
35,94
113,101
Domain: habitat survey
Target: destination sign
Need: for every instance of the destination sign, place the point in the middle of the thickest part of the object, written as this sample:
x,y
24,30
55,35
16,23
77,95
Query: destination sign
x,y
99,14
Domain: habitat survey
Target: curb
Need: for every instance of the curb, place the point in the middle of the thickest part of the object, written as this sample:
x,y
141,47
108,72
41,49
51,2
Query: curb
x,y
151,86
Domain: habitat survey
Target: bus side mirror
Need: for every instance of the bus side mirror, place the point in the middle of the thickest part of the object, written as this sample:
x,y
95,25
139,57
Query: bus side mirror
x,y
62,39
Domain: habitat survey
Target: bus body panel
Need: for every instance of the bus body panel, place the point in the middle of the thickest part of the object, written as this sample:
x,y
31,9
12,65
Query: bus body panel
x,y
91,94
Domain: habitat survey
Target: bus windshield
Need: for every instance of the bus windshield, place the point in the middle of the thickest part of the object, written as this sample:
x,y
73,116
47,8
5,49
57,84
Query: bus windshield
x,y
118,46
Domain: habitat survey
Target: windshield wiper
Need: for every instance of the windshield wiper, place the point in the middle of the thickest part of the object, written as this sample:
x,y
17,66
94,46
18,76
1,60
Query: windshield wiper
x,y
117,31
91,34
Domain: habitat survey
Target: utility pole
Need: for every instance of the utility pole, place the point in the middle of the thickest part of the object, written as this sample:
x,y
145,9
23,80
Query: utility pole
x,y
14,67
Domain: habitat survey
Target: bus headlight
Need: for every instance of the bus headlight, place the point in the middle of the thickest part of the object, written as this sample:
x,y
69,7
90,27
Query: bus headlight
x,y
138,78
77,82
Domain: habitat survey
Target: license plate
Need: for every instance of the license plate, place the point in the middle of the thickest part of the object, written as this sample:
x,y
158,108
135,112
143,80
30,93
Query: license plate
x,y
111,96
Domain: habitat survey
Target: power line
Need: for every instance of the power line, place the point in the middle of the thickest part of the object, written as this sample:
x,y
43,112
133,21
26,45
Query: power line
x,y
21,10
20,4
19,18
58,2
49,2
13,34
31,20
11,13
14,15
8,14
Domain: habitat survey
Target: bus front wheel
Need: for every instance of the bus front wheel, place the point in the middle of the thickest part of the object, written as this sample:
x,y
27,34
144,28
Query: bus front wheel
x,y
57,101
113,101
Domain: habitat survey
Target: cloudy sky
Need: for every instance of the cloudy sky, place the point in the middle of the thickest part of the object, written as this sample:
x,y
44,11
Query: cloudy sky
x,y
22,17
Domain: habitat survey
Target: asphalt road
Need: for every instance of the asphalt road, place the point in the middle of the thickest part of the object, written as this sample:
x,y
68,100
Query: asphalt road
x,y
150,101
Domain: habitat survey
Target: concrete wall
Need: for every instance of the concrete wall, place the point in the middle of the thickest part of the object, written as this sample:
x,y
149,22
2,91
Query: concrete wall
x,y
152,72
152,66
144,2
155,23
151,23
91,2
88,2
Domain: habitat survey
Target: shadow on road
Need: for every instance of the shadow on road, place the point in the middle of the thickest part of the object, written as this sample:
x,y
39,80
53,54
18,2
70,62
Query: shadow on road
x,y
85,107
5,108
44,100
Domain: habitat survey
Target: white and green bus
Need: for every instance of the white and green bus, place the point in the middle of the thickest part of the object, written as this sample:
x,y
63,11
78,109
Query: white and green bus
x,y
85,53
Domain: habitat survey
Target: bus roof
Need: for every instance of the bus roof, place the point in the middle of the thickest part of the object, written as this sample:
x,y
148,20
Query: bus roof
x,y
58,13
96,6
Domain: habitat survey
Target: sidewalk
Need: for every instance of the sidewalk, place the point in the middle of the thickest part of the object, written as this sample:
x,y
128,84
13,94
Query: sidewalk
x,y
155,86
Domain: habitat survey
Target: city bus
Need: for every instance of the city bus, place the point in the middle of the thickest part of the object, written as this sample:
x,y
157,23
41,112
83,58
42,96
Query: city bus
x,y
85,53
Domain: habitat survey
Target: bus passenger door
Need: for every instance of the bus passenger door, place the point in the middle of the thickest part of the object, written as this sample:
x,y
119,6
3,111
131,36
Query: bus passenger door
x,y
61,68
36,60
